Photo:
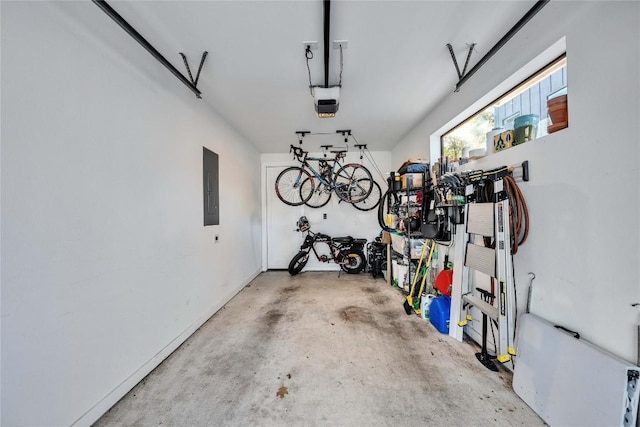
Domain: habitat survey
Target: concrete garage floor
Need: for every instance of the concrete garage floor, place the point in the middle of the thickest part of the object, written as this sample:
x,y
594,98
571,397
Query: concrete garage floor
x,y
321,350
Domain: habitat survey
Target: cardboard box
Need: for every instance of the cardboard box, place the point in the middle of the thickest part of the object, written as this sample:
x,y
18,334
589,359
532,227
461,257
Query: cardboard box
x,y
411,181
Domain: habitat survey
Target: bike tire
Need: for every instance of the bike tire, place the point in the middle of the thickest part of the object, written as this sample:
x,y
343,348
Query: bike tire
x,y
288,185
298,262
356,262
320,194
372,201
353,182
388,204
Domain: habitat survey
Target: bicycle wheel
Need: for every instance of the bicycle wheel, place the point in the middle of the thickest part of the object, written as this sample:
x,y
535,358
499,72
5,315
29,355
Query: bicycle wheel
x,y
371,201
388,205
298,262
353,182
320,193
288,185
354,262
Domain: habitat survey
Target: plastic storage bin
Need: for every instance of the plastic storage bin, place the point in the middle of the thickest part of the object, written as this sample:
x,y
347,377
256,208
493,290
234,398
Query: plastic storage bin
x,y
425,304
439,313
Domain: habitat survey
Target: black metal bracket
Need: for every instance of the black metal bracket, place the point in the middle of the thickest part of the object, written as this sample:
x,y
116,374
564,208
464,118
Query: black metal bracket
x,y
569,331
512,32
524,167
186,64
363,147
346,133
104,6
455,61
301,134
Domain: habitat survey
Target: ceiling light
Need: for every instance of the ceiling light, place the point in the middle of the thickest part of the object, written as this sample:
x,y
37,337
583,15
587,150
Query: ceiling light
x,y
326,100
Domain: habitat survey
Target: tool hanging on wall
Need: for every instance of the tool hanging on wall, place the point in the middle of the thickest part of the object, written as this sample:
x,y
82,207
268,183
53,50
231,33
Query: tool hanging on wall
x,y
483,356
496,213
443,207
412,303
530,291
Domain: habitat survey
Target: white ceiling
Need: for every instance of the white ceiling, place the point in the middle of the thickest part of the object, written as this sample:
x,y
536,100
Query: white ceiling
x,y
396,67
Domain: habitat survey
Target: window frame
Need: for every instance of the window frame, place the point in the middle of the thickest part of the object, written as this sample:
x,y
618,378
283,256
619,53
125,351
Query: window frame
x,y
522,86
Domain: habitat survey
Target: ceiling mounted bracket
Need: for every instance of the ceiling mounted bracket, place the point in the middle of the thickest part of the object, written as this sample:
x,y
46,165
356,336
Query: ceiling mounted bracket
x,y
455,62
104,6
346,133
186,64
361,147
512,32
301,134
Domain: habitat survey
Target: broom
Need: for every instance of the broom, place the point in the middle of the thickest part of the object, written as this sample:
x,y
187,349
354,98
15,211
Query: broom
x,y
409,303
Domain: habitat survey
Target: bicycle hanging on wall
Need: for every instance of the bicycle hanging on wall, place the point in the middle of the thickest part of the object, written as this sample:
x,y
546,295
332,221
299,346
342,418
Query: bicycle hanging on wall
x,y
297,185
313,186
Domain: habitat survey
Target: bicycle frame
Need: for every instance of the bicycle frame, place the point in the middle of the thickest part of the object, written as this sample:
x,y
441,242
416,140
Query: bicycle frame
x,y
330,176
335,162
310,241
304,184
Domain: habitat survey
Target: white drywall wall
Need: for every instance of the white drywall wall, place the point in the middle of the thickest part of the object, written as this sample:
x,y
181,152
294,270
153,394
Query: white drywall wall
x,y
583,195
342,218
106,266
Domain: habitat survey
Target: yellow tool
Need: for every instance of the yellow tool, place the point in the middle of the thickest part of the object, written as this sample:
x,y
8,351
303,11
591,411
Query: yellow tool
x,y
409,303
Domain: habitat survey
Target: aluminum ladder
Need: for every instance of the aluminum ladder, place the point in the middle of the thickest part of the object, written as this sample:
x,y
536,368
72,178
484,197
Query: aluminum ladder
x,y
489,220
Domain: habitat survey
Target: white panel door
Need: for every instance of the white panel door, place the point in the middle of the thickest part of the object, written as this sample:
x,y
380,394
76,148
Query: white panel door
x,y
283,242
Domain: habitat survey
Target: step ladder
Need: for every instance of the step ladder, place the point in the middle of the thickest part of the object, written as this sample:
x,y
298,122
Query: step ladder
x,y
489,220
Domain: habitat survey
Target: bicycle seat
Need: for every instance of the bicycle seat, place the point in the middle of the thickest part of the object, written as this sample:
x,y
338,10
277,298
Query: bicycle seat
x,y
338,151
345,239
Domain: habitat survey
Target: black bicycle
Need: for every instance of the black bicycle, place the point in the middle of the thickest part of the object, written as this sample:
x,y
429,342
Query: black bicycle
x,y
304,184
344,251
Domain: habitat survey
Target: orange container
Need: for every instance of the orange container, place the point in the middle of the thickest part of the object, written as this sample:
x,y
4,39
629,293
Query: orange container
x,y
558,113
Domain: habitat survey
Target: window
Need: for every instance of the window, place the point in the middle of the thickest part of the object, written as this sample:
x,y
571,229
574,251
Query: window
x,y
523,110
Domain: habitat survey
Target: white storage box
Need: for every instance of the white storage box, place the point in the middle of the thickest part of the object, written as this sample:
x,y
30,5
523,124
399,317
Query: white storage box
x,y
416,248
398,243
400,274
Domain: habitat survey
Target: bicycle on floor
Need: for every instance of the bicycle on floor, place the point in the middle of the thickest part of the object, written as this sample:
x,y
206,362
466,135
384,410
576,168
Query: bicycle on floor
x,y
344,251
297,185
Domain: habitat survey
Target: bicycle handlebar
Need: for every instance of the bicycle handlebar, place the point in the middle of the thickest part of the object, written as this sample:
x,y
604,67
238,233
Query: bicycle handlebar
x,y
298,152
301,155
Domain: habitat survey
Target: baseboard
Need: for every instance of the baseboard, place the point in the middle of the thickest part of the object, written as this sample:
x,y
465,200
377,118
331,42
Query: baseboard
x,y
99,409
